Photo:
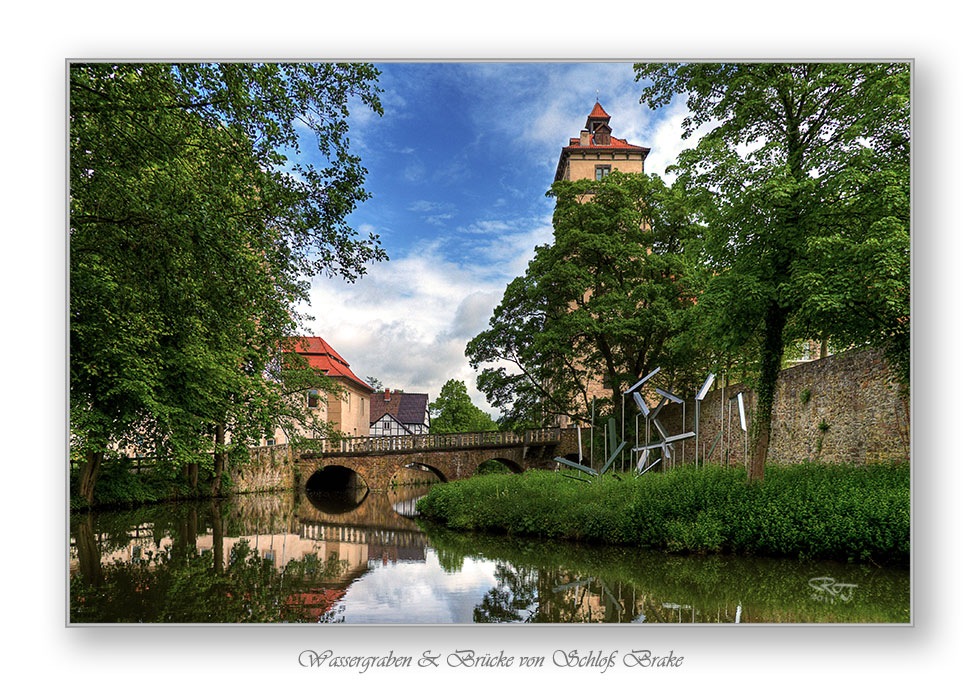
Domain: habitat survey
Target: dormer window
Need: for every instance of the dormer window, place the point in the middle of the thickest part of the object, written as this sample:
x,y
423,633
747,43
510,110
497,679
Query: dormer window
x,y
601,136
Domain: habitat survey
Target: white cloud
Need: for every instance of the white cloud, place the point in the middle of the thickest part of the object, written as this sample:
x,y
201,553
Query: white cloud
x,y
510,253
488,226
408,320
425,205
415,592
666,142
413,172
438,212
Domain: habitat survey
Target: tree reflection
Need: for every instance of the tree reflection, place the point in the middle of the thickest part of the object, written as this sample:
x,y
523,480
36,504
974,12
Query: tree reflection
x,y
514,598
193,587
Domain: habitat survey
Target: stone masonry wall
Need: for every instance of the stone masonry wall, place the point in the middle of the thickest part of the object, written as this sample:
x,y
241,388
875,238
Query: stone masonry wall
x,y
842,409
270,469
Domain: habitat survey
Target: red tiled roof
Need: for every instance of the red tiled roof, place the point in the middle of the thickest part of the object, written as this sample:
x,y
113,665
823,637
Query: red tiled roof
x,y
613,143
598,111
316,602
324,358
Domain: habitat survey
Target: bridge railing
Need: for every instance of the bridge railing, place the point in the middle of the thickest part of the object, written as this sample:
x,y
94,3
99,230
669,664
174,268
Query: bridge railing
x,y
417,443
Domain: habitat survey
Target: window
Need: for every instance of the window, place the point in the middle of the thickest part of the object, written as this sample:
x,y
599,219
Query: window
x,y
601,171
312,398
270,442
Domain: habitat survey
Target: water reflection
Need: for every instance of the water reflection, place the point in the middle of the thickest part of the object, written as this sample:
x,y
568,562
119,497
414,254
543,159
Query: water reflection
x,y
337,502
404,500
362,557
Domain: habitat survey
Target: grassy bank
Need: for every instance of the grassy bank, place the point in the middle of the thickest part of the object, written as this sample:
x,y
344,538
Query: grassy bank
x,y
803,511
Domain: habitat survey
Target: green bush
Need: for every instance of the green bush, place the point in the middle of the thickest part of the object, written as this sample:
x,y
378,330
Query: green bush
x,y
806,511
117,485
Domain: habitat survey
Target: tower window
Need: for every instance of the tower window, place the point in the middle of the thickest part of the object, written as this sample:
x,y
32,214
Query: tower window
x,y
601,171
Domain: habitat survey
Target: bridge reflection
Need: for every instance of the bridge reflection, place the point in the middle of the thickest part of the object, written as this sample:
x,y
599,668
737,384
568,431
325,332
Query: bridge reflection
x,y
337,502
348,531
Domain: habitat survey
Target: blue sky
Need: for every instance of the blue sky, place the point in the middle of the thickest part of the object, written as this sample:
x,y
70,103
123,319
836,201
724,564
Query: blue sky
x,y
458,170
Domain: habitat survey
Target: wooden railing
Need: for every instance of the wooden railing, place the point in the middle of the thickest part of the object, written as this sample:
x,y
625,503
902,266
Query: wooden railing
x,y
418,443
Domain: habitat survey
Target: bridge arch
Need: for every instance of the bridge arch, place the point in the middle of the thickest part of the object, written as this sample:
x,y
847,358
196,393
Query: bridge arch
x,y
485,467
335,477
413,474
435,470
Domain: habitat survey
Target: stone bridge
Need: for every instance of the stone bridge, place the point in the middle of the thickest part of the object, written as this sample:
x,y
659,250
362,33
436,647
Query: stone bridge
x,y
450,456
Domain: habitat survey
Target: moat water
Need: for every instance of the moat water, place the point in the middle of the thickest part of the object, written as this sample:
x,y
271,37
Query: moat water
x,y
359,557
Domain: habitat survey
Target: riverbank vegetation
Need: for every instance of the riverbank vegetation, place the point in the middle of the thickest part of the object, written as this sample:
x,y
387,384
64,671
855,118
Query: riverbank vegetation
x,y
804,511
122,485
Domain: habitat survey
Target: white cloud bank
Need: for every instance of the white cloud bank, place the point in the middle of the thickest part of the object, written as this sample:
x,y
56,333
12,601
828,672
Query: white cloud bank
x,y
408,320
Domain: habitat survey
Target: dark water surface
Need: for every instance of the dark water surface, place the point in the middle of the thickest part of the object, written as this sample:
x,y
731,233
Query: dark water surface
x,y
359,557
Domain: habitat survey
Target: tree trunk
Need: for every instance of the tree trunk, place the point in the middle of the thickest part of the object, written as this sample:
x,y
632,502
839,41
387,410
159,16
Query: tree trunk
x,y
217,537
220,458
772,357
89,475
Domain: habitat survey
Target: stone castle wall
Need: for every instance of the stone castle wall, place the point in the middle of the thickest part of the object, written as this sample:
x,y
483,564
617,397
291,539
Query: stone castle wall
x,y
842,409
270,468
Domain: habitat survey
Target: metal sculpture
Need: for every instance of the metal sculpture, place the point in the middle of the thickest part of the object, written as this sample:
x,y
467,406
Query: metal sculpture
x,y
642,381
745,429
651,416
643,453
697,412
589,470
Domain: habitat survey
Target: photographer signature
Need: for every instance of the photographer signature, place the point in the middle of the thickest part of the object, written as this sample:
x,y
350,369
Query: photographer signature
x,y
828,590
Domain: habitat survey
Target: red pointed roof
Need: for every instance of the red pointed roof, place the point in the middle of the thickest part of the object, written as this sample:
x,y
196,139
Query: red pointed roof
x,y
324,358
598,112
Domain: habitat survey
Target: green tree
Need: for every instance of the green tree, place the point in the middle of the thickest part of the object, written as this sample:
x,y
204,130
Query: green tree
x,y
453,411
606,303
805,184
191,240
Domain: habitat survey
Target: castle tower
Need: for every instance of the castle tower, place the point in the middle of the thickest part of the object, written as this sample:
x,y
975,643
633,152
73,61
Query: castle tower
x,y
596,152
592,156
